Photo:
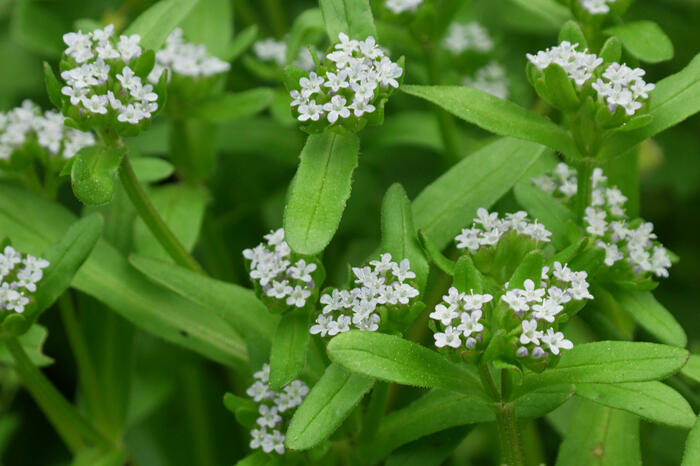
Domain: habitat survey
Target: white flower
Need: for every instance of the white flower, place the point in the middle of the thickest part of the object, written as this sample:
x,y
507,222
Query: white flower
x,y
451,337
360,107
469,36
530,293
298,296
491,79
596,7
258,391
516,301
579,66
128,47
258,436
401,6
311,85
271,50
336,108
556,341
443,314
337,81
402,271
547,310
310,111
470,323
269,417
530,334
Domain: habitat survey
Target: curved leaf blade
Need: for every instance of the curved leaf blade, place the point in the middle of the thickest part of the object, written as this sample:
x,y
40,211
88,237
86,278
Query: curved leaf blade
x,y
288,351
352,17
644,39
652,316
156,23
691,456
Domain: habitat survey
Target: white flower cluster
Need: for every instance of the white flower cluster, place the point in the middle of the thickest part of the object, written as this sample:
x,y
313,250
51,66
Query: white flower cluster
x,y
358,70
562,182
596,7
578,65
276,51
26,122
399,6
382,283
490,79
469,36
98,60
488,229
459,316
271,267
538,307
623,86
274,407
18,278
186,59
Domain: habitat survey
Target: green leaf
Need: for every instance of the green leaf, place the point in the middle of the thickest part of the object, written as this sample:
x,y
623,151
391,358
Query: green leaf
x,y
151,169
530,268
495,115
53,87
449,203
235,305
230,106
36,27
572,32
319,191
692,368
156,23
691,456
210,23
33,343
435,256
260,459
93,172
326,406
652,401
353,17
674,99
652,316
467,277
551,213
611,51
288,352
601,436
399,236
241,42
233,403
560,88
305,26
612,362
548,11
644,40
432,450
393,359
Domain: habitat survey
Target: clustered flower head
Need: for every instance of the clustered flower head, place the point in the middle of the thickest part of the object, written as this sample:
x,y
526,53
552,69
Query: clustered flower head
x,y
280,277
356,77
624,241
469,36
458,316
491,79
400,6
618,84
596,7
276,51
99,79
186,59
275,410
488,229
26,123
384,283
19,276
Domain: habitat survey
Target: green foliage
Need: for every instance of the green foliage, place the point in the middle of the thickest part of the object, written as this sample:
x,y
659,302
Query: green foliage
x,y
652,316
352,17
157,22
230,106
289,347
644,40
93,172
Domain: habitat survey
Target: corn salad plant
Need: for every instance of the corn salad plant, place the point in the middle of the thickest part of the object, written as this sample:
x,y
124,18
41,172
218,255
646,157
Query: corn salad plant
x,y
349,232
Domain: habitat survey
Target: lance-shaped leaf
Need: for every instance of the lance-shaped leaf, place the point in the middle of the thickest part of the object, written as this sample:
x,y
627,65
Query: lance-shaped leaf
x,y
692,368
320,190
601,436
552,214
393,359
92,174
449,203
326,406
652,401
644,39
499,116
352,17
233,106
288,352
399,236
210,23
652,316
157,22
691,456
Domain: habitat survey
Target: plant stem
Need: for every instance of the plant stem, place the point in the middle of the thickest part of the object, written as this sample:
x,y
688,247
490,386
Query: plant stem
x,y
375,410
70,425
509,434
584,174
152,219
487,381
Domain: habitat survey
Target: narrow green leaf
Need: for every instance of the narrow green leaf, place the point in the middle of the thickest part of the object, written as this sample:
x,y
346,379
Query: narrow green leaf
x,y
449,203
93,172
550,12
692,368
210,23
320,190
691,456
393,359
353,17
399,236
436,257
652,316
156,23
552,214
326,406
530,268
288,352
572,32
561,89
234,403
230,106
652,401
644,40
601,436
611,51
241,42
498,116
53,87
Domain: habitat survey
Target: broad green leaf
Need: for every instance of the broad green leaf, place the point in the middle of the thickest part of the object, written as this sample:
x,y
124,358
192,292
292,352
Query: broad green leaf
x,y
319,190
691,456
35,223
652,316
33,343
542,401
156,23
237,306
652,401
326,406
547,210
353,17
612,362
449,203
601,436
393,359
93,174
644,40
692,368
230,106
432,450
289,347
674,99
498,116
151,169
210,23
399,236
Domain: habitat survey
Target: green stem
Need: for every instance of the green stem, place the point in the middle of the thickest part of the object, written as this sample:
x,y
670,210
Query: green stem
x,y
375,410
446,123
509,434
70,425
584,190
152,219
487,381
